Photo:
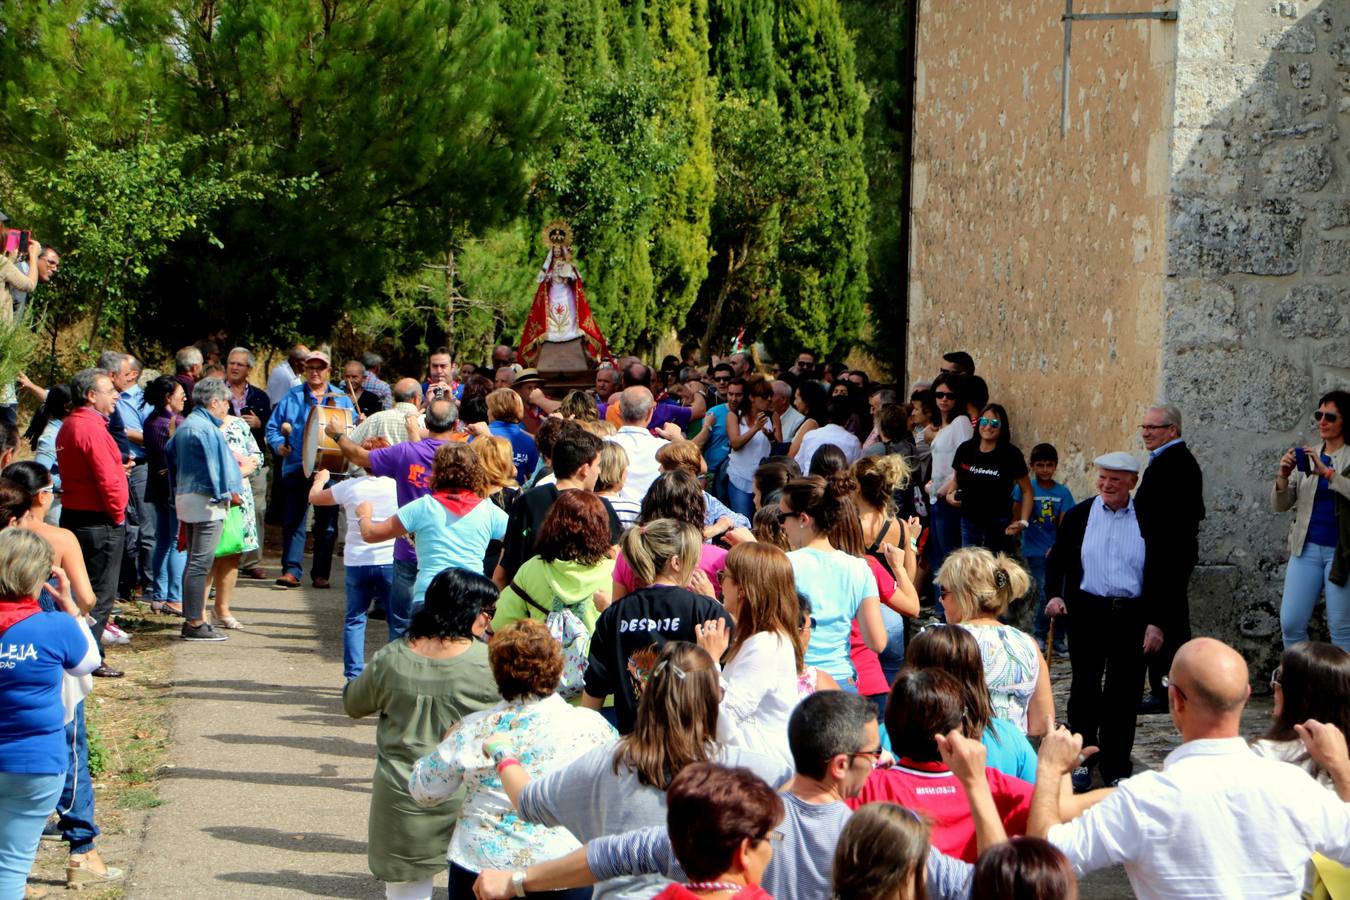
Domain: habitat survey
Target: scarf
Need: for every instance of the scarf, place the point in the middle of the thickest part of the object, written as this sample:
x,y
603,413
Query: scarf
x,y
14,613
458,503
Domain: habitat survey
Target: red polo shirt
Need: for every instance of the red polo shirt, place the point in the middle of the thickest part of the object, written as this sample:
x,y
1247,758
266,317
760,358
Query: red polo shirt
x,y
92,477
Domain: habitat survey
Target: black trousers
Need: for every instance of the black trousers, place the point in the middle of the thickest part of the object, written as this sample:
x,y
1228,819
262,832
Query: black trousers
x,y
1176,631
1106,652
101,543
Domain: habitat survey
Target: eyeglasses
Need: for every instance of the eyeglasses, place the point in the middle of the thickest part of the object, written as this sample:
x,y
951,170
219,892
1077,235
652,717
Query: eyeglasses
x,y
990,423
1328,417
1153,427
809,623
1276,676
49,489
775,837
875,754
943,395
1173,684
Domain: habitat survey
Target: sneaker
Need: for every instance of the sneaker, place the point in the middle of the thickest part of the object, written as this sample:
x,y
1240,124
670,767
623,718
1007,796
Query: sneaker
x,y
1081,778
1062,649
112,635
202,632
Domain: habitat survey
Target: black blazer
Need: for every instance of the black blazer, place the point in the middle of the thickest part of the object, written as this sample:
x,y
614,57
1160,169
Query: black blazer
x,y
1170,504
1064,562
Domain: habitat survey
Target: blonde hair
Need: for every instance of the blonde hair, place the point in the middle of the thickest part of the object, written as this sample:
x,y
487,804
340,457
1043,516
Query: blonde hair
x,y
505,405
601,428
25,563
613,467
650,548
496,459
681,455
982,583
879,477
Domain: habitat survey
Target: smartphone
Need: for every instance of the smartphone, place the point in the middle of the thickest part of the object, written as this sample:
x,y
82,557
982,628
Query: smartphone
x,y
16,241
1302,461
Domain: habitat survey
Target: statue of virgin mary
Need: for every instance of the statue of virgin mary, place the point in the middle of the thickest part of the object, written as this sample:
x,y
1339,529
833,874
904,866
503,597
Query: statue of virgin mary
x,y
560,333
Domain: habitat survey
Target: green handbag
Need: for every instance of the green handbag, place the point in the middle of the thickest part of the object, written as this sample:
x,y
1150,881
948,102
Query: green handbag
x,y
232,537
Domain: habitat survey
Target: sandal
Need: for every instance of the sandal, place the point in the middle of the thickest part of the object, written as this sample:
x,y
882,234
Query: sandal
x,y
229,622
166,608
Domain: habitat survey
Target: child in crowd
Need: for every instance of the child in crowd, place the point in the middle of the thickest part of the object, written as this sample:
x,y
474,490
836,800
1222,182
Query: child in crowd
x,y
1050,500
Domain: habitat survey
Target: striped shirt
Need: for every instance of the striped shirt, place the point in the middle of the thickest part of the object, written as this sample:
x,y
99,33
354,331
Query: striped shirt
x,y
1113,552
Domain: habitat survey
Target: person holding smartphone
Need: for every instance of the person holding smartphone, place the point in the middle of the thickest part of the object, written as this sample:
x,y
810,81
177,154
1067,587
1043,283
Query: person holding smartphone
x,y
1314,482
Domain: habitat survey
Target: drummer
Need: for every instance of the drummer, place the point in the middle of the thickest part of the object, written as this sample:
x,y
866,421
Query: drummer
x,y
286,437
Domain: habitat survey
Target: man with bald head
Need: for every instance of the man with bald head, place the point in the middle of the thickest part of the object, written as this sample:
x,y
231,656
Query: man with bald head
x,y
391,424
1218,820
636,406
1095,573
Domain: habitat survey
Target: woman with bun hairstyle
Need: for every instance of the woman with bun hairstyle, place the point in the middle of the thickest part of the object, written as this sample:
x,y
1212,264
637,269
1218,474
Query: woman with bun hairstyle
x,y
841,587
977,588
664,556
420,686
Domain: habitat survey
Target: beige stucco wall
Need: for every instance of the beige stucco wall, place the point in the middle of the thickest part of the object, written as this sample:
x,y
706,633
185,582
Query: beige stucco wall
x,y
1040,255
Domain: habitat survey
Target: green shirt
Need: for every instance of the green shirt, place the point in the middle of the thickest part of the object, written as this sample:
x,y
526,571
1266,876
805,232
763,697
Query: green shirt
x,y
418,700
562,581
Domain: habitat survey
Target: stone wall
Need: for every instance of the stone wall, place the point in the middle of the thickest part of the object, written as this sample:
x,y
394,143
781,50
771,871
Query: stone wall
x,y
1258,250
1043,255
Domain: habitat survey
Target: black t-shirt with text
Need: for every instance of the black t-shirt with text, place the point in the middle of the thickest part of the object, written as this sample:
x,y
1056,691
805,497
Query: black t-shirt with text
x,y
527,517
986,479
650,615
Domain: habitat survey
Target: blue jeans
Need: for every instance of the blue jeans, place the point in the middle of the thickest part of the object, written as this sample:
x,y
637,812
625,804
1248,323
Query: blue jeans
x,y
398,608
294,507
740,501
1308,576
944,536
892,659
76,804
365,585
25,803
1036,566
990,535
167,561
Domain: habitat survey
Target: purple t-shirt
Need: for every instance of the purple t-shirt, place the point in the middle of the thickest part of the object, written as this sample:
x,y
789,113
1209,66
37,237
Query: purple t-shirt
x,y
409,464
661,414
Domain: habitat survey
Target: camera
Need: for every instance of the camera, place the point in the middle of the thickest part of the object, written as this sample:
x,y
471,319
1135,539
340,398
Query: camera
x,y
16,241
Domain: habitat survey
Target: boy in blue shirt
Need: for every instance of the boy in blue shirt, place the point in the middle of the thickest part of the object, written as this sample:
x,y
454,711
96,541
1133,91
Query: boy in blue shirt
x,y
1050,500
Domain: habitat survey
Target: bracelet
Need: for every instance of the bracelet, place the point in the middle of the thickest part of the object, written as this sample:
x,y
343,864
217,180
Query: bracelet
x,y
518,884
506,764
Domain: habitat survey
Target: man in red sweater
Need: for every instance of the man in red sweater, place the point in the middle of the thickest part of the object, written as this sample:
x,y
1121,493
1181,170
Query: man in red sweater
x,y
94,490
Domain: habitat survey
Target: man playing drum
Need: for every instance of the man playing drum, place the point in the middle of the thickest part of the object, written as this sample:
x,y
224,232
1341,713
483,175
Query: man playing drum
x,y
286,437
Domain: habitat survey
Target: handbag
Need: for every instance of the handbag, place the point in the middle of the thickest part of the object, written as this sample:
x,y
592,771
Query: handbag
x,y
232,536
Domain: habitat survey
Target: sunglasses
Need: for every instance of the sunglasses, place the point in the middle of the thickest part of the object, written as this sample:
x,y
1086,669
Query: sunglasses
x,y
1276,676
1328,417
720,379
943,395
784,516
990,423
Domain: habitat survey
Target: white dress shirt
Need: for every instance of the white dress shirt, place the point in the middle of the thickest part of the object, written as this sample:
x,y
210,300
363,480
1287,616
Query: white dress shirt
x,y
280,382
1217,821
1113,552
641,446
761,692
827,434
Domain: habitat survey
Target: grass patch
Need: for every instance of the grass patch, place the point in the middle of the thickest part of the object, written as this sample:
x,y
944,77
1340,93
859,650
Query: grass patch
x,y
127,722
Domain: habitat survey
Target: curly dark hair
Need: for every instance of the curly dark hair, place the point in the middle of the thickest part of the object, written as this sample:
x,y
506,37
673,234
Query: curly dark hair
x,y
454,601
576,529
674,495
526,660
456,468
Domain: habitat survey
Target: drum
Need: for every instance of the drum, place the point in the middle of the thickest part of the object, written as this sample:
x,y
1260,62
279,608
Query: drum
x,y
320,450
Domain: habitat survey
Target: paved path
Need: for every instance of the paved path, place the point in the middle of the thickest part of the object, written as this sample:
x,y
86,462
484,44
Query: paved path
x,y
270,781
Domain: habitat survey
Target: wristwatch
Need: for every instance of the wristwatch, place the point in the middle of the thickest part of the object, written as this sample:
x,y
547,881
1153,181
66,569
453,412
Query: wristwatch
x,y
500,752
518,884
1024,523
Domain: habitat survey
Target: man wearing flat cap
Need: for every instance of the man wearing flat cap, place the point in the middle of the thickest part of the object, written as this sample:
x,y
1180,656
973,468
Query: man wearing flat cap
x,y
1095,574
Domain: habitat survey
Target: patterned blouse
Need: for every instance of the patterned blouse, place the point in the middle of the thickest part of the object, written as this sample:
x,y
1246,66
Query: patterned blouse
x,y
1012,663
545,735
241,441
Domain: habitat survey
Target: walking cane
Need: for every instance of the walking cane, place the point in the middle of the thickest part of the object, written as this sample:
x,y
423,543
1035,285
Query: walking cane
x,y
1050,646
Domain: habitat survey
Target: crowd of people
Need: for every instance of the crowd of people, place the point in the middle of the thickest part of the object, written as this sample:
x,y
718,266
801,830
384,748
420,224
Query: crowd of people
x,y
703,631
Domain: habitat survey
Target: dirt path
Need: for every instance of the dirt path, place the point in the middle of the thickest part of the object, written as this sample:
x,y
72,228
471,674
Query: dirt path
x,y
269,783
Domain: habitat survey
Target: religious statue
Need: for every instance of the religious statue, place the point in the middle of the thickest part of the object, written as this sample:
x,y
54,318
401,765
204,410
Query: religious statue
x,y
560,333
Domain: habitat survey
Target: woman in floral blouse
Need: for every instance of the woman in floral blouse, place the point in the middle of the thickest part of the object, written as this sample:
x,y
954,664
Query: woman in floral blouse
x,y
544,733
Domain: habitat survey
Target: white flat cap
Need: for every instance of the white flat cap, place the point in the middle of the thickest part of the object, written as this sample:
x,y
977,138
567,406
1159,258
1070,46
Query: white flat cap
x,y
1120,461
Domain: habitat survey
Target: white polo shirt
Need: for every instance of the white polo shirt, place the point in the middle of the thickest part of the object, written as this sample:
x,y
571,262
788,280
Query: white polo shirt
x,y
1217,821
641,446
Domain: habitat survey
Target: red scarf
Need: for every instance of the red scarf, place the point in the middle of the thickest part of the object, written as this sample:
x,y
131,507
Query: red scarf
x,y
459,503
14,613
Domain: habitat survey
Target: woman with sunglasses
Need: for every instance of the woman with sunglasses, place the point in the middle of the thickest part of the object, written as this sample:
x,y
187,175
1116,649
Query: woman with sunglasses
x,y
420,686
944,436
841,586
1311,682
986,467
1314,482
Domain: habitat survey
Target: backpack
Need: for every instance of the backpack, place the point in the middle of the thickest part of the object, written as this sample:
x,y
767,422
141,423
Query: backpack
x,y
570,632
